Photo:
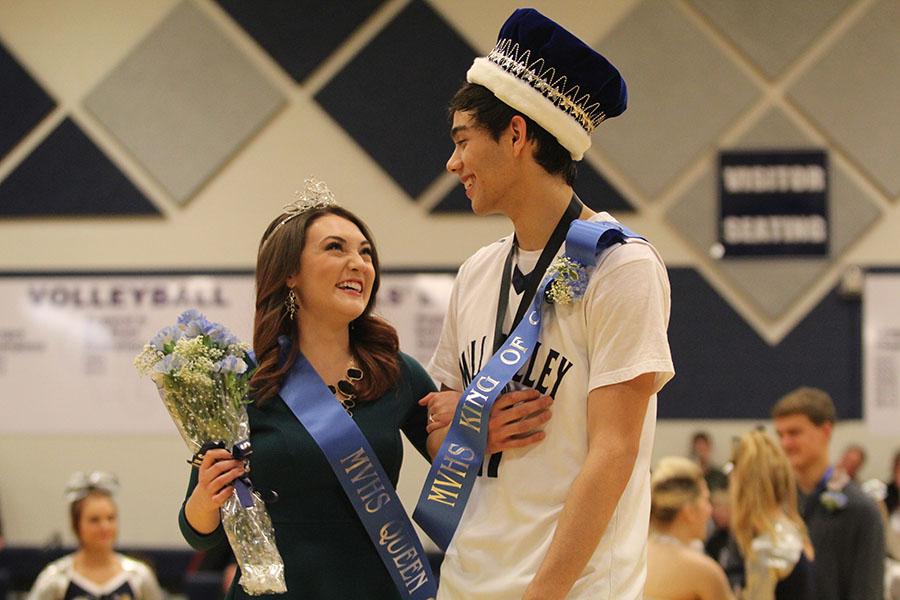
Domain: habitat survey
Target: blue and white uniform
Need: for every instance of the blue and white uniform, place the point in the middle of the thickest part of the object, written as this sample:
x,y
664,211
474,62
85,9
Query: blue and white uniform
x,y
60,581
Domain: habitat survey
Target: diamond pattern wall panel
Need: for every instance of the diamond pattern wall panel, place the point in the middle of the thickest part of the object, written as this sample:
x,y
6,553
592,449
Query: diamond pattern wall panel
x,y
853,93
598,193
23,103
719,378
183,101
591,186
67,175
392,97
668,123
774,285
772,33
454,202
299,34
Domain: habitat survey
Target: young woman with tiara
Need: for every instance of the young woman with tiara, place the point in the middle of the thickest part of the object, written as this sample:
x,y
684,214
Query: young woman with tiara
x,y
317,276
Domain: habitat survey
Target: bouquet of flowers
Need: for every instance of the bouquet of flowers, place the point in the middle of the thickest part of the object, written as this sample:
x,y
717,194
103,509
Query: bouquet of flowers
x,y
203,373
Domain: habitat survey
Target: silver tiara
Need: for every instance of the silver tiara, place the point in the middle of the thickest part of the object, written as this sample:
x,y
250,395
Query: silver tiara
x,y
81,484
315,195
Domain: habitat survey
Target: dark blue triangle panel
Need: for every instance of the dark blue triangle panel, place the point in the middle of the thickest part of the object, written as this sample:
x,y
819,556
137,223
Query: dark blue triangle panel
x,y
593,189
23,103
724,370
300,34
67,175
454,202
392,97
597,193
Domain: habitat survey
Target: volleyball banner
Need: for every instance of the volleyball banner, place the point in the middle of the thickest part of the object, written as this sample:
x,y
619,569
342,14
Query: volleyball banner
x,y
67,346
68,341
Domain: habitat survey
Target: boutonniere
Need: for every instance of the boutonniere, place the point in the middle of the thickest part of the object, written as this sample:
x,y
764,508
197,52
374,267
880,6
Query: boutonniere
x,y
834,498
569,281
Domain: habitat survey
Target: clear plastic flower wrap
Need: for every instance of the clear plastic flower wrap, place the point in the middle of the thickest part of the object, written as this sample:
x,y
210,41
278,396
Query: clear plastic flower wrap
x,y
202,372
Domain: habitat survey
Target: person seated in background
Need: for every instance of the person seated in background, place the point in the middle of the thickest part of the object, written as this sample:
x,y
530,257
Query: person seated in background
x,y
720,531
766,525
677,568
852,461
95,571
701,452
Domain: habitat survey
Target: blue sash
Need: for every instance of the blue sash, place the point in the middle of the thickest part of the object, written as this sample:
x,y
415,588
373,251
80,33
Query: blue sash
x,y
455,468
363,479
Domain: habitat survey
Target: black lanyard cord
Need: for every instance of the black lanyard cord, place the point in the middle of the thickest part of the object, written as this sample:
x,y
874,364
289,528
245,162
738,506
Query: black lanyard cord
x,y
533,279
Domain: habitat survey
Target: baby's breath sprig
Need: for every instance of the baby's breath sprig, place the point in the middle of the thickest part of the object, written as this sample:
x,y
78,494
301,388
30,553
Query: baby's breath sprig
x,y
569,281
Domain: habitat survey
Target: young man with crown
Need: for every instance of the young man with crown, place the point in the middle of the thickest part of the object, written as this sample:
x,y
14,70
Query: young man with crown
x,y
566,517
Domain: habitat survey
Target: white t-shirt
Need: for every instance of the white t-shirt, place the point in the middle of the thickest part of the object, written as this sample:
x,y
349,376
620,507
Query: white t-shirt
x,y
616,332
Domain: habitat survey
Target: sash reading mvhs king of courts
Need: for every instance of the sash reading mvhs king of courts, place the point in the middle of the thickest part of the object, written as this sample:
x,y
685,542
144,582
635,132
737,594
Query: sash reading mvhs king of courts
x,y
455,468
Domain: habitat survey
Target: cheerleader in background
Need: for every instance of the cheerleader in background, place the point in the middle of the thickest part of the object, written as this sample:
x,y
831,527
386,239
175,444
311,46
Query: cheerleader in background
x,y
95,571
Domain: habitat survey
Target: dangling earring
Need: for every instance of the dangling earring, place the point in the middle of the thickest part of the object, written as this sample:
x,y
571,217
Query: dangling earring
x,y
290,304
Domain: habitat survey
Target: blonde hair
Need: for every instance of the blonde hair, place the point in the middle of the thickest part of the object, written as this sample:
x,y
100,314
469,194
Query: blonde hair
x,y
676,481
762,486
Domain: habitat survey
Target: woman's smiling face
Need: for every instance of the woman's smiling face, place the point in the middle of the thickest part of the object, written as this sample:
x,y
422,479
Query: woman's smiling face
x,y
336,273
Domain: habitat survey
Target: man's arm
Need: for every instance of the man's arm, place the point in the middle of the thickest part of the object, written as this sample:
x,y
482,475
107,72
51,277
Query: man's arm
x,y
615,417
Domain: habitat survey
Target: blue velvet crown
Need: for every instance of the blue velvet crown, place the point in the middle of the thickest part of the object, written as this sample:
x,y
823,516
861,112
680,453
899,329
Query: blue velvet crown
x,y
542,70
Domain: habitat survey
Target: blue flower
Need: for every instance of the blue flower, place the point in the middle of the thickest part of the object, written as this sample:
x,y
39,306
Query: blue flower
x,y
166,337
169,364
231,364
191,314
193,323
196,328
220,336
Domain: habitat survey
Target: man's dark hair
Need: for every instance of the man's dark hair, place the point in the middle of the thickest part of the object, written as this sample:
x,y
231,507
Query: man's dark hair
x,y
700,435
494,115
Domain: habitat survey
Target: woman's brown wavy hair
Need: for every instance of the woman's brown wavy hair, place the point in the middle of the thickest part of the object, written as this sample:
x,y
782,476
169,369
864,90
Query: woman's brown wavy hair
x,y
372,340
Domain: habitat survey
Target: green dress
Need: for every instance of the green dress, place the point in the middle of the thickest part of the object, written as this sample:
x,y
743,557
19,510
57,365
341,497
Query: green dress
x,y
327,553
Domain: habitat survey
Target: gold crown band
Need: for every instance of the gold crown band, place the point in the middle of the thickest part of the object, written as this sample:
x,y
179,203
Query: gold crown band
x,y
506,55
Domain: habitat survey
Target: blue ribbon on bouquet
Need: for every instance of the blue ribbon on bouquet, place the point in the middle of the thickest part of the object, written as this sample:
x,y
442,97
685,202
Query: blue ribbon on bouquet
x,y
455,467
242,450
363,478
